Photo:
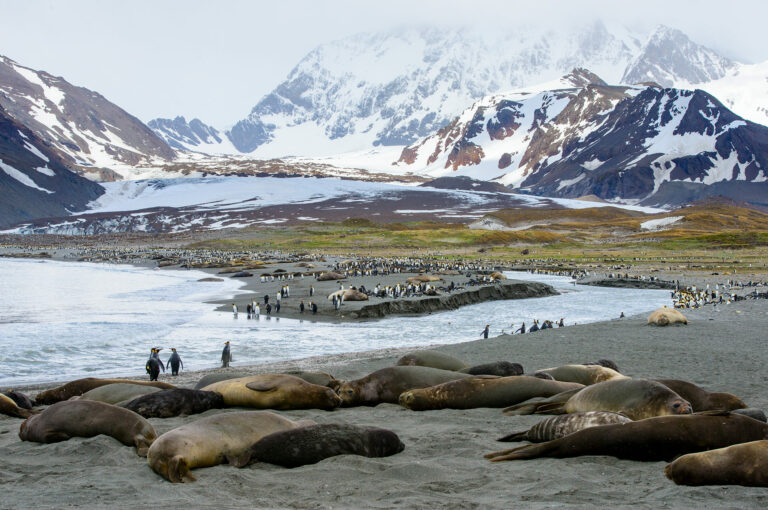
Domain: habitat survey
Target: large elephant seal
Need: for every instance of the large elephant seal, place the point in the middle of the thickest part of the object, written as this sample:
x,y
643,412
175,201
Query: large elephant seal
x,y
652,439
311,444
604,363
583,374
88,418
319,378
499,368
9,408
386,385
118,392
665,316
275,391
740,464
482,391
432,359
80,386
213,440
169,403
565,424
636,398
21,399
701,399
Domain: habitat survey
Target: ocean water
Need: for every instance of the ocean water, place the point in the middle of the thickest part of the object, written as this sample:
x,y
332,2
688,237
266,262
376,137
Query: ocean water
x,y
65,320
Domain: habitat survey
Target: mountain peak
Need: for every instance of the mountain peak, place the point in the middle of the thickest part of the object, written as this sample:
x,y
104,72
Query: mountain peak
x,y
581,77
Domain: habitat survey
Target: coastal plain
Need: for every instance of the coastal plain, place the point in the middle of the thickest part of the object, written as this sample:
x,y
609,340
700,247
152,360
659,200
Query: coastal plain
x,y
442,465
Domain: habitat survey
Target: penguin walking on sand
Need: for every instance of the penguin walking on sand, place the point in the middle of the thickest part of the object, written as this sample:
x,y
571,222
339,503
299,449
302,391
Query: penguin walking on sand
x,y
485,331
234,309
154,365
226,355
174,362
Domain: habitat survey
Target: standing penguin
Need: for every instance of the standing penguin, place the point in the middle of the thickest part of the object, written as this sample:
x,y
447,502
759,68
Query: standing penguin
x,y
226,355
174,361
485,331
234,309
154,365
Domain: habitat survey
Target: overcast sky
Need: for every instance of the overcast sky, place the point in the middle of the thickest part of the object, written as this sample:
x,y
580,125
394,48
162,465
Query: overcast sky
x,y
215,60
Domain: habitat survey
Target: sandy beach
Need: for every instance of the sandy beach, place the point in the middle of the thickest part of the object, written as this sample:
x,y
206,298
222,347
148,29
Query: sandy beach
x,y
442,465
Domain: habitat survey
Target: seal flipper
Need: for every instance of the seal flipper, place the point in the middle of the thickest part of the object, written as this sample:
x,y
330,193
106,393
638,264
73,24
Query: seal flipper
x,y
261,386
178,471
514,437
241,460
530,451
534,405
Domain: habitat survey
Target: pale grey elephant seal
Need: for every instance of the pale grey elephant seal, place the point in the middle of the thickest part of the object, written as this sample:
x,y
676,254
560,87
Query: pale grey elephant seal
x,y
756,414
88,418
169,403
432,359
386,385
311,444
213,440
482,391
80,386
209,379
118,392
275,391
741,464
9,408
319,378
565,424
499,368
636,398
582,374
651,439
701,399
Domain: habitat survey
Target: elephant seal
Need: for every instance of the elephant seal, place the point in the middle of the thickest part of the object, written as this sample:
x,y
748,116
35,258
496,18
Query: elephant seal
x,y
432,359
499,368
80,386
753,413
386,385
604,363
636,398
665,316
311,444
9,408
701,399
88,418
21,399
741,464
118,392
482,391
212,440
583,374
330,275
275,391
169,403
565,424
319,378
652,439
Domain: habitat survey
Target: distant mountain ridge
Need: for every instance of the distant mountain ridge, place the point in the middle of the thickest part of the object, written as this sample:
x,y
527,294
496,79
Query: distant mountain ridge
x,y
194,135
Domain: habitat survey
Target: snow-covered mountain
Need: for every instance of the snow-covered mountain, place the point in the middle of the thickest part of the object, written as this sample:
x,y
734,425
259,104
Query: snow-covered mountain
x,y
34,181
90,133
394,88
194,135
670,59
744,90
642,144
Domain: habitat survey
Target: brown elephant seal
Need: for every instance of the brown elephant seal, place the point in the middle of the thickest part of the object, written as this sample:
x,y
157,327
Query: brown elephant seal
x,y
80,386
209,379
169,403
320,378
330,275
311,444
604,363
386,385
482,391
583,374
652,439
275,391
665,316
213,440
565,424
9,408
118,392
432,359
423,278
636,398
88,418
21,399
499,368
701,399
741,464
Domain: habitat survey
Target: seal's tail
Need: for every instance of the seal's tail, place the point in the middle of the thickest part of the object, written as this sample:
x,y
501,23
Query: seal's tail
x,y
515,436
553,405
530,451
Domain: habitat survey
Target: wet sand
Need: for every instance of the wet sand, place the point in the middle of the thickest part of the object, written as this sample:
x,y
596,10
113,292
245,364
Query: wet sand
x,y
442,465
